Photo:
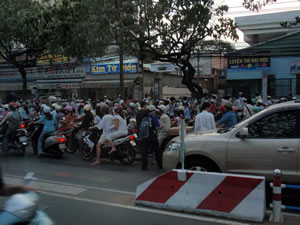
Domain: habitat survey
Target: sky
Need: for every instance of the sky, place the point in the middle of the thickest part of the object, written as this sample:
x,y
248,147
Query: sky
x,y
236,9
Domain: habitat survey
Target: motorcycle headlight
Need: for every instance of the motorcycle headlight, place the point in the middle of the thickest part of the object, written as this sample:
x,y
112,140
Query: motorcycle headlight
x,y
173,146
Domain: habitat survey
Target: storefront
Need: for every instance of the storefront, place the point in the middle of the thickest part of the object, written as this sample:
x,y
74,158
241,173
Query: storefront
x,y
270,68
103,79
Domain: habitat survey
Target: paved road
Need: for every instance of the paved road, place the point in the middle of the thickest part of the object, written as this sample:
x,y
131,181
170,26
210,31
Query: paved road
x,y
73,192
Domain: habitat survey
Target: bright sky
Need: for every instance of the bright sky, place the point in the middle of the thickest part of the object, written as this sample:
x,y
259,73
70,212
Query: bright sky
x,y
236,9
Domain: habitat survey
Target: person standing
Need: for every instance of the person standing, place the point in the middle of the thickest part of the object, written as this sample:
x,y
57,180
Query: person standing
x,y
165,124
141,114
205,120
151,142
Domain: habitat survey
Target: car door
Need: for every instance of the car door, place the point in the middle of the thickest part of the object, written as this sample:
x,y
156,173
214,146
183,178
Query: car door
x,y
272,143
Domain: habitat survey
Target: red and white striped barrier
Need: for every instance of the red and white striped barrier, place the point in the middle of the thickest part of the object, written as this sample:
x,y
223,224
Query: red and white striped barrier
x,y
234,196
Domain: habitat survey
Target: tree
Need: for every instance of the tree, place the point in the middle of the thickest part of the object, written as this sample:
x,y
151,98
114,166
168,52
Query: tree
x,y
29,30
171,30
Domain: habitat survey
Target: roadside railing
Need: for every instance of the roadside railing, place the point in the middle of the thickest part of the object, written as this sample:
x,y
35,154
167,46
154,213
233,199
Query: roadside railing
x,y
276,205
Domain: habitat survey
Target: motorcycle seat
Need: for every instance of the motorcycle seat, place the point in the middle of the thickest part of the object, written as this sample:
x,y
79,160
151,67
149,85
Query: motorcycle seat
x,y
51,134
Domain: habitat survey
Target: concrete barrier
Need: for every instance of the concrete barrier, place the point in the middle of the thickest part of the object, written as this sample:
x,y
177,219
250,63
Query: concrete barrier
x,y
226,195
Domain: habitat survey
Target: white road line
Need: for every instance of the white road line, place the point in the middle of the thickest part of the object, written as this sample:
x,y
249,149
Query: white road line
x,y
46,186
156,211
78,185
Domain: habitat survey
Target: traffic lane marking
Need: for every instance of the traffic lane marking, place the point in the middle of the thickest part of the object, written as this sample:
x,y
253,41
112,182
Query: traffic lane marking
x,y
75,185
46,186
142,209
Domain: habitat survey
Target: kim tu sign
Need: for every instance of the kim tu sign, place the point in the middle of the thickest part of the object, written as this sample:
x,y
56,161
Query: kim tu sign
x,y
249,63
113,68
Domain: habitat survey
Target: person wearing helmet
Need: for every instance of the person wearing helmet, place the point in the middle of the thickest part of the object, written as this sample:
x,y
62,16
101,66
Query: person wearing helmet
x,y
150,144
178,116
229,119
259,106
106,125
11,122
50,125
69,117
131,111
87,119
5,107
59,114
165,124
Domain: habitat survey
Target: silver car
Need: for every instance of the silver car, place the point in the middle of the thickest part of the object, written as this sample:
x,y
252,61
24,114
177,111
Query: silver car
x,y
264,142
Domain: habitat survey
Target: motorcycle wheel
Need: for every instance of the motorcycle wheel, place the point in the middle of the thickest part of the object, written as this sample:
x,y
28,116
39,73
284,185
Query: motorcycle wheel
x,y
129,154
71,146
22,150
85,152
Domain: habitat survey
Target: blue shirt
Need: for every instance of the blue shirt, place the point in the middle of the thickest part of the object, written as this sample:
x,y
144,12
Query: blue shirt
x,y
49,125
187,113
229,119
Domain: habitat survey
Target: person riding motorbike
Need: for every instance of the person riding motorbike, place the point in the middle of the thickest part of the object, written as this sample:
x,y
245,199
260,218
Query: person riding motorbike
x,y
87,119
69,117
50,125
106,126
119,129
12,121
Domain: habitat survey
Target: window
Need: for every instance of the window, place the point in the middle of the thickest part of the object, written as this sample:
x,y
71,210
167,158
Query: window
x,y
284,124
298,84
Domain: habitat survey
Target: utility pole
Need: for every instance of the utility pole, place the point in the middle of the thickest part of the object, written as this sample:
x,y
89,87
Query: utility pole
x,y
122,90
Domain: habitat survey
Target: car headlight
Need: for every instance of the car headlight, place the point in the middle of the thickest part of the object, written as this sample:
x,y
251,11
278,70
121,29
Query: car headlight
x,y
173,146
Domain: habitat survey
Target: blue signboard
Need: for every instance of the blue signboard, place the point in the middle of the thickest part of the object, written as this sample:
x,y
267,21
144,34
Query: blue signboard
x,y
249,63
114,68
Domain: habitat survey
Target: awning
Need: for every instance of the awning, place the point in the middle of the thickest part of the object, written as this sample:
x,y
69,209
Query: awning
x,y
105,84
58,84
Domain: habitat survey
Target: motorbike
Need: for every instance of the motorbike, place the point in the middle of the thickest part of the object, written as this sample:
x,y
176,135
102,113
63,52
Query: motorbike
x,y
54,143
125,152
18,141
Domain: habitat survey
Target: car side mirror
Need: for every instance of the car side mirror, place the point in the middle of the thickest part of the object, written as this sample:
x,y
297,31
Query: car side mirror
x,y
243,133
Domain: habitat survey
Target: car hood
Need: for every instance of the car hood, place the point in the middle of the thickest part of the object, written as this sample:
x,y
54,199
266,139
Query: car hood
x,y
199,136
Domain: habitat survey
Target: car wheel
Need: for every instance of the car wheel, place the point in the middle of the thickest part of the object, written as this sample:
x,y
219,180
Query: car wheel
x,y
201,165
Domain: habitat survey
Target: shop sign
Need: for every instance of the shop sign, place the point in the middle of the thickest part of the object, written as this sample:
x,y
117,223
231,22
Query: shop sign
x,y
52,59
58,86
249,63
295,67
113,68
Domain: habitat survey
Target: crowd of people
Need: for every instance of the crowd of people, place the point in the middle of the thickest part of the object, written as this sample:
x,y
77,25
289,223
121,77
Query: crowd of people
x,y
113,116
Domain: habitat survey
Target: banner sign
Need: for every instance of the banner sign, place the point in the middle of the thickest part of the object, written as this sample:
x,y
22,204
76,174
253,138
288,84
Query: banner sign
x,y
114,68
295,67
249,63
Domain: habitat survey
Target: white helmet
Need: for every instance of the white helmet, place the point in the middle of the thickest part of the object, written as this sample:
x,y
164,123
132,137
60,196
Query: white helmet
x,y
152,108
87,107
131,104
163,108
46,109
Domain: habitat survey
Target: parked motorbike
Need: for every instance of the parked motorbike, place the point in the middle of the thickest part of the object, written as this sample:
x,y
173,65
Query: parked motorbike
x,y
18,141
125,152
54,143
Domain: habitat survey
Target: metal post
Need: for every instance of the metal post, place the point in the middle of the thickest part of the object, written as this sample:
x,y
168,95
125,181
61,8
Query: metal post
x,y
276,216
182,133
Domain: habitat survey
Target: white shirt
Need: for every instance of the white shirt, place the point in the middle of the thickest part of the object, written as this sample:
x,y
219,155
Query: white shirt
x,y
122,123
97,119
106,124
205,121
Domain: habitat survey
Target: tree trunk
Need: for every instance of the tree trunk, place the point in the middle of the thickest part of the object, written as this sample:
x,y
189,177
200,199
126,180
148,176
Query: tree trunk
x,y
188,76
24,79
122,91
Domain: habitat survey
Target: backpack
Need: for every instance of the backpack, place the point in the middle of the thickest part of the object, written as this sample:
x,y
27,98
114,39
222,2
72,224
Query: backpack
x,y
144,131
